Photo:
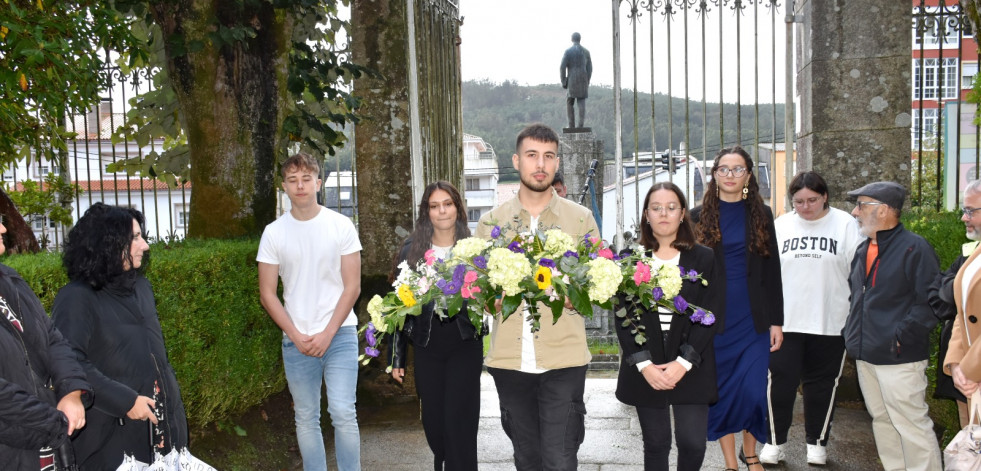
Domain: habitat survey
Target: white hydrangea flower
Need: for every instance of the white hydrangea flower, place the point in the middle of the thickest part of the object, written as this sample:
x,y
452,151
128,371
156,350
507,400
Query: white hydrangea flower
x,y
604,279
376,310
669,279
507,269
465,249
558,243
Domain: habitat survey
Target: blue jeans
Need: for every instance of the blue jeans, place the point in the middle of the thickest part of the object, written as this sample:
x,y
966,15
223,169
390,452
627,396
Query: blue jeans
x,y
338,369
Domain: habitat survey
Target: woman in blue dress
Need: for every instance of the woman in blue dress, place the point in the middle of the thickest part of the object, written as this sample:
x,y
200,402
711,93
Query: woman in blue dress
x,y
734,221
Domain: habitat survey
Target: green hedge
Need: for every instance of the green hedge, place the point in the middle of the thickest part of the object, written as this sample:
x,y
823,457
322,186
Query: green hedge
x,y
224,348
945,232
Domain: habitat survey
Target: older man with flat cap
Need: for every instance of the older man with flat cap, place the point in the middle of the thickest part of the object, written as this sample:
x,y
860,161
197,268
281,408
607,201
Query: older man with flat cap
x,y
888,328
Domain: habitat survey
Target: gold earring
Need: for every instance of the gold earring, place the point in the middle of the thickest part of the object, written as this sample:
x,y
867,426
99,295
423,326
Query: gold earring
x,y
746,190
716,191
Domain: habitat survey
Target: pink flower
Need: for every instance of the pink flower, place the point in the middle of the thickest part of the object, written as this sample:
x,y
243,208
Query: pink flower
x,y
430,258
468,291
605,253
642,274
470,277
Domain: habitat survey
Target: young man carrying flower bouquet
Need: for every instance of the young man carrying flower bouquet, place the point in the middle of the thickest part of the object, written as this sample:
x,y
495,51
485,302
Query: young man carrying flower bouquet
x,y
540,376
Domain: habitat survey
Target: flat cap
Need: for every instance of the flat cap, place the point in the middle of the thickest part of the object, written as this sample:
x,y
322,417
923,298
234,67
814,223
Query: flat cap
x,y
890,193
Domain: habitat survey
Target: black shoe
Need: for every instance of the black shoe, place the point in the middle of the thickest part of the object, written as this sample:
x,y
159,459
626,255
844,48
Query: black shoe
x,y
749,461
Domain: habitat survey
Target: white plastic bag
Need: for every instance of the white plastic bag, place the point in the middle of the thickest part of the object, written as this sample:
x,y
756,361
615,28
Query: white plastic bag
x,y
964,451
130,463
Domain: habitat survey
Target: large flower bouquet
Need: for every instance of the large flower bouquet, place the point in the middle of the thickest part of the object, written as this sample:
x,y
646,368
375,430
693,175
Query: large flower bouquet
x,y
547,267
647,283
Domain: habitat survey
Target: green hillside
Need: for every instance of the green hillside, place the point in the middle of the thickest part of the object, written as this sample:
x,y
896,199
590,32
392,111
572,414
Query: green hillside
x,y
497,112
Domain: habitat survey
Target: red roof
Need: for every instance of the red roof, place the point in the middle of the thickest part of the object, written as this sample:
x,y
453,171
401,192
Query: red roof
x,y
120,184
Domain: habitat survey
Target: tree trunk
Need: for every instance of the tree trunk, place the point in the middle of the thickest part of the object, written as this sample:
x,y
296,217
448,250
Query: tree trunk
x,y
232,100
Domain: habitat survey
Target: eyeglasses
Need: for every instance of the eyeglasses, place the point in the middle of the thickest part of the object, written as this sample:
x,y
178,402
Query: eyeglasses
x,y
726,171
969,212
859,204
808,202
670,209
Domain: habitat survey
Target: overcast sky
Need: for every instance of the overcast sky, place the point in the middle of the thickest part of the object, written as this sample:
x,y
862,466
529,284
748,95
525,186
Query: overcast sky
x,y
523,40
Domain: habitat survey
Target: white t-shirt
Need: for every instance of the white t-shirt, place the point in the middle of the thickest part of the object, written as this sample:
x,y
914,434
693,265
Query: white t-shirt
x,y
309,257
815,260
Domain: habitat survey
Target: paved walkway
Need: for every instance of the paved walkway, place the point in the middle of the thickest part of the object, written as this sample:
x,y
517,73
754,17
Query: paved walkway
x,y
612,441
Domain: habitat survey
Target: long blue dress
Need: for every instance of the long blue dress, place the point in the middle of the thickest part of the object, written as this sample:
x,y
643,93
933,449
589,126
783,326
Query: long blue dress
x,y
742,355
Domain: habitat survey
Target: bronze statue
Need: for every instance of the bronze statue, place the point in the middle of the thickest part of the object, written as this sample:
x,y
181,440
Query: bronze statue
x,y
576,70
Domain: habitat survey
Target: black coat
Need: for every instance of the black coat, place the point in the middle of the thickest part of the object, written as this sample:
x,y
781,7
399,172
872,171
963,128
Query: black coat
x,y
763,277
116,335
693,342
32,362
940,295
889,303
418,328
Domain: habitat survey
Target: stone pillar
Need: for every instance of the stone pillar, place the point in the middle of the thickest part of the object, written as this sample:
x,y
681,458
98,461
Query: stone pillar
x,y
577,150
410,133
853,82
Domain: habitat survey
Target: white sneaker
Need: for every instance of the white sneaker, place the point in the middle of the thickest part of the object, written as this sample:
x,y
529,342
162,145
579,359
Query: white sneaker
x,y
817,454
773,454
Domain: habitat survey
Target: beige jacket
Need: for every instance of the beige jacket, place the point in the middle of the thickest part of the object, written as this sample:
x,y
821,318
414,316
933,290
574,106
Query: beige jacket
x,y
966,324
559,345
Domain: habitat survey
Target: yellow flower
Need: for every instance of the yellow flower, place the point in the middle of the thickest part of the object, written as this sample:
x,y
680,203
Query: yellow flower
x,y
543,277
405,294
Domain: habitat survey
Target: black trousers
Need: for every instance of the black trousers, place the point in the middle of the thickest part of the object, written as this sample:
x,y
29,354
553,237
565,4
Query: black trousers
x,y
543,415
816,362
690,429
447,373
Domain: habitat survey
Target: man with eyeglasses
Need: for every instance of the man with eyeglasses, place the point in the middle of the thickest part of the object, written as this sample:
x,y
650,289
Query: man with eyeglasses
x,y
888,327
958,304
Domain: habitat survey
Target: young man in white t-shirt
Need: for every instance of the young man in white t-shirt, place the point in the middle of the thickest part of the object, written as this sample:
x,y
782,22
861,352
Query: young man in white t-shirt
x,y
317,253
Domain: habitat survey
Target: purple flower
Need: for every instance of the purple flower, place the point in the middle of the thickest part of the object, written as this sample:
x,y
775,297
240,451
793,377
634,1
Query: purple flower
x,y
369,335
616,257
697,316
585,239
458,274
658,293
569,253
515,247
448,287
709,319
547,263
692,275
496,232
371,352
480,262
680,304
593,255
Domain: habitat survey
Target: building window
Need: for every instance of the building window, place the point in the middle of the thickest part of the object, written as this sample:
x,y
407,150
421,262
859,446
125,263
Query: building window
x,y
473,184
929,129
182,215
926,77
37,222
968,71
473,215
930,37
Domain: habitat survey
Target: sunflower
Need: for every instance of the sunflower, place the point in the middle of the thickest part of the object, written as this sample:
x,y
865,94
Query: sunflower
x,y
543,277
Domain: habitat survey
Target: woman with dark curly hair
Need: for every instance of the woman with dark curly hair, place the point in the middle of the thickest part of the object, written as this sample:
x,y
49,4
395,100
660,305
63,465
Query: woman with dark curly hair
x,y
448,352
108,314
734,221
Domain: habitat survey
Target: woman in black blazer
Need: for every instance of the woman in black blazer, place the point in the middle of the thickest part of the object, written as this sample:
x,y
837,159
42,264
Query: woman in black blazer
x,y
448,352
676,365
